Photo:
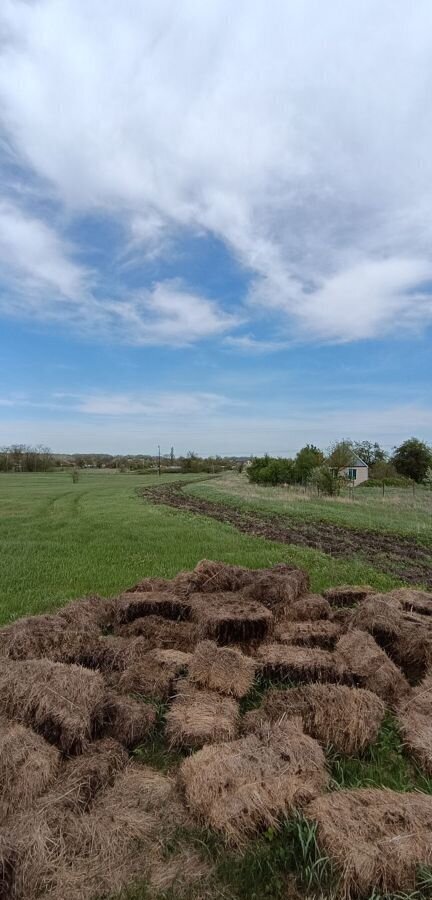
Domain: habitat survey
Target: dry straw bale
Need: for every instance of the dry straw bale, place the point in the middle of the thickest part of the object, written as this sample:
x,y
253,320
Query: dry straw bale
x,y
240,787
63,703
28,765
278,588
412,649
36,637
160,632
81,778
415,722
321,634
380,615
222,669
151,603
155,673
347,594
310,608
377,838
90,613
150,584
61,854
342,616
413,601
299,663
199,717
212,577
370,666
229,618
346,718
128,720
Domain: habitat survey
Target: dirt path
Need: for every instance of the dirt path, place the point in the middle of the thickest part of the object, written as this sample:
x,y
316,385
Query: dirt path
x,y
400,556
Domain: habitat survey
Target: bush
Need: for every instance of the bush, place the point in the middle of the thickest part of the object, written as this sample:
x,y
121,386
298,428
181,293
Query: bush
x,y
268,470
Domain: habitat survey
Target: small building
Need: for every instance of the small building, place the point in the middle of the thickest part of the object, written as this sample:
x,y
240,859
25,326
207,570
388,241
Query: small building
x,y
357,472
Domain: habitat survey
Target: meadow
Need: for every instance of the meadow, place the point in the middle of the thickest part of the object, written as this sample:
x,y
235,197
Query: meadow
x,y
60,540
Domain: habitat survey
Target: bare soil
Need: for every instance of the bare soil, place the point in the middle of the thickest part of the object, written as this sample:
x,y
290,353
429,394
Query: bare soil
x,y
396,555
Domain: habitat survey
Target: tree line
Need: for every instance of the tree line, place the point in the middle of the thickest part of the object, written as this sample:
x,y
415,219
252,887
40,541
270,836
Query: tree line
x,y
329,471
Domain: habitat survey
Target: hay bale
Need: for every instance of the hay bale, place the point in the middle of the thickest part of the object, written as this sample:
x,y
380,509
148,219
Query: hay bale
x,y
241,787
412,650
7,864
415,722
342,616
380,615
347,594
149,584
308,609
376,838
200,717
278,588
346,718
61,854
155,673
162,633
28,765
321,634
45,636
151,603
413,601
81,778
221,669
299,663
229,618
212,577
128,720
370,666
63,703
90,613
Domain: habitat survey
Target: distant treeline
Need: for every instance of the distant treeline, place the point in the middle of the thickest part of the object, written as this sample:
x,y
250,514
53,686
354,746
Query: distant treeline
x,y
24,458
330,470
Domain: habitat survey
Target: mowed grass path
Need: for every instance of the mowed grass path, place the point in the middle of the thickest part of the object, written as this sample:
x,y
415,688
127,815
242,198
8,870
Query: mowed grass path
x,y
60,540
400,511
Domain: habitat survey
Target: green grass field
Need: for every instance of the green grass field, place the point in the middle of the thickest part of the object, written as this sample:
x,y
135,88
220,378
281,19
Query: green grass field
x,y
60,540
399,511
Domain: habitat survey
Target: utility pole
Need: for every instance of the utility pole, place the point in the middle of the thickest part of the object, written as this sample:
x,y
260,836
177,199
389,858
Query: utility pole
x,y
159,461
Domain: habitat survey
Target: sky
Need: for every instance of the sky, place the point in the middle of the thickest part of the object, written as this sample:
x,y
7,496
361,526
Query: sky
x,y
215,224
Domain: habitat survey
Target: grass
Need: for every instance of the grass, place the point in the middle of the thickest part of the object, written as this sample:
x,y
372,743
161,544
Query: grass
x,y
60,540
399,511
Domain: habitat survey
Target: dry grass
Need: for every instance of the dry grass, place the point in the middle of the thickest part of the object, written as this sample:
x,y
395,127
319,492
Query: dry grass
x,y
241,787
348,719
299,663
160,632
415,722
212,577
376,838
370,667
128,720
133,606
81,778
63,703
50,637
222,669
199,717
309,608
91,612
380,615
28,765
347,594
321,634
229,618
278,588
155,673
414,601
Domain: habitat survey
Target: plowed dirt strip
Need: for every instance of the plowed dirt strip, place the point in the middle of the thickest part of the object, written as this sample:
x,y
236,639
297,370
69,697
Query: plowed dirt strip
x,y
399,556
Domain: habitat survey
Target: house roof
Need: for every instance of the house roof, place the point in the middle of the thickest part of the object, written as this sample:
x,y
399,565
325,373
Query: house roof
x,y
358,463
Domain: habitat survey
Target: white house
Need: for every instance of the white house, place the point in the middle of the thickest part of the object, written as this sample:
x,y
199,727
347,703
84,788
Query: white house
x,y
357,471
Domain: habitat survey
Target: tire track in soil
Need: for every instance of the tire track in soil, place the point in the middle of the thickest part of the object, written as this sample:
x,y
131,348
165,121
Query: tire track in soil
x,y
399,556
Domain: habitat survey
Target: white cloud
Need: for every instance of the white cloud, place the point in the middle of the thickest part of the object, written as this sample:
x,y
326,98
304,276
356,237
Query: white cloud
x,y
298,135
153,404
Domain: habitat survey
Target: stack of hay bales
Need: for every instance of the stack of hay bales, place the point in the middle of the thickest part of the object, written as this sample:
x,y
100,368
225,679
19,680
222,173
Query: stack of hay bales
x,y
82,688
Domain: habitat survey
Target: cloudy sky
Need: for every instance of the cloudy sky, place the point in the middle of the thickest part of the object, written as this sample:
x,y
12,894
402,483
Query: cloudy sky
x,y
215,223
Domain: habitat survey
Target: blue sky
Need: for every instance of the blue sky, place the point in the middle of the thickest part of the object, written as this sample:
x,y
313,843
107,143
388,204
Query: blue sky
x,y
215,224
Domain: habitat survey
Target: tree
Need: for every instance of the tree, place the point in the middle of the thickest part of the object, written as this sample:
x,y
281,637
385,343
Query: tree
x,y
307,459
413,459
340,456
368,452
